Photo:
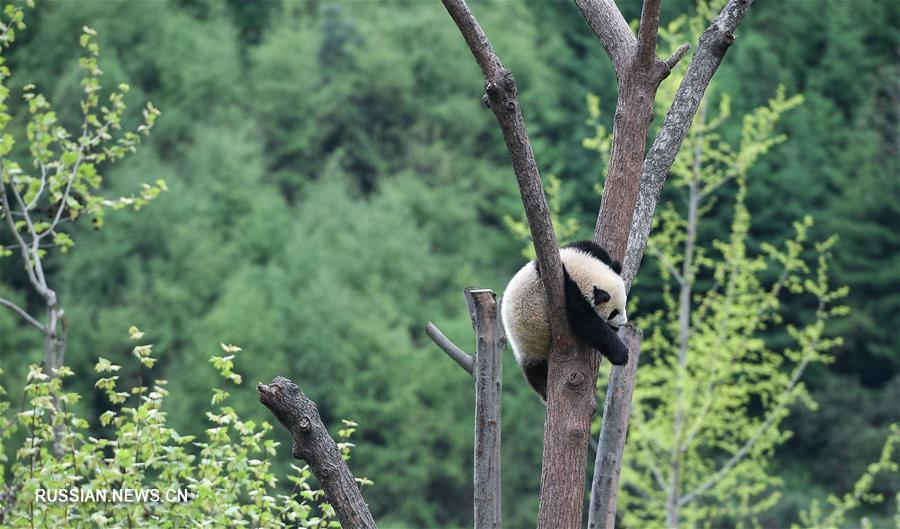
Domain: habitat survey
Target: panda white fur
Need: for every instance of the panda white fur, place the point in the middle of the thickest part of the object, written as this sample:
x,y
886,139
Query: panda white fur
x,y
595,307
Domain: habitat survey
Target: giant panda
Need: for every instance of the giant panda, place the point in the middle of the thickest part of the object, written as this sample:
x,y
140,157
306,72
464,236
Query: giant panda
x,y
595,308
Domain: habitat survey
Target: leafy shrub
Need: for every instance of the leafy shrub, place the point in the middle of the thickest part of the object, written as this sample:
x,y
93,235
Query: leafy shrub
x,y
225,477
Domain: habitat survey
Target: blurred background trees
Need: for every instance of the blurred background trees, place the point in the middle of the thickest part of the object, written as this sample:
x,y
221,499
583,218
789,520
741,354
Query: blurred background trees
x,y
335,183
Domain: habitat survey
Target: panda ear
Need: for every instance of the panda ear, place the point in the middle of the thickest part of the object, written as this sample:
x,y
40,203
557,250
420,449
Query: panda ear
x,y
600,296
617,267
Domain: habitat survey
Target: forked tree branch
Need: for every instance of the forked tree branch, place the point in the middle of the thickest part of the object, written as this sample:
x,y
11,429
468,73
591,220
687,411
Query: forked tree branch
x,y
7,211
313,444
638,82
714,42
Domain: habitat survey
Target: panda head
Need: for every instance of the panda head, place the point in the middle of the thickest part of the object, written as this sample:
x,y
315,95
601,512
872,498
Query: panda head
x,y
599,277
609,302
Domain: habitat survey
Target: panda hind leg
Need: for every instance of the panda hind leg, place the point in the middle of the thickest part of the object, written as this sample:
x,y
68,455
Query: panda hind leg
x,y
536,374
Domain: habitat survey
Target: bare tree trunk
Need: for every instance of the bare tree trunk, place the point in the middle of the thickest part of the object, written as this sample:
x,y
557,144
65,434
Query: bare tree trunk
x,y
313,444
616,411
486,369
488,387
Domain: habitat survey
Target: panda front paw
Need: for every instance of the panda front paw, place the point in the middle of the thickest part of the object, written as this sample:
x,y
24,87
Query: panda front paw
x,y
617,355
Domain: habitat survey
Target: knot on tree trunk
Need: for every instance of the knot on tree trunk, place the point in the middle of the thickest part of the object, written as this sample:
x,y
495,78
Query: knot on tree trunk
x,y
575,380
500,92
717,40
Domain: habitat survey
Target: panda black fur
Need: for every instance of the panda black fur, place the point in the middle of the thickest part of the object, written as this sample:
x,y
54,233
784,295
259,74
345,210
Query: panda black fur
x,y
595,307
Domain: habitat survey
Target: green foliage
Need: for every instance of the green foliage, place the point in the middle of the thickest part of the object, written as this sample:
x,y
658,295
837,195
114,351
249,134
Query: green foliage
x,y
711,394
841,161
834,516
225,475
333,187
67,165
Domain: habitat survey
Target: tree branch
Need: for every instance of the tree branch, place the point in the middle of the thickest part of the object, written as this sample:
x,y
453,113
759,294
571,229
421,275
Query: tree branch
x,y
714,42
456,354
6,208
21,312
616,411
313,444
610,27
475,37
647,31
676,56
501,96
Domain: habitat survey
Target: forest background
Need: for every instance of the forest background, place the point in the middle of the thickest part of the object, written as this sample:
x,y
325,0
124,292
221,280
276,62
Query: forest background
x,y
334,183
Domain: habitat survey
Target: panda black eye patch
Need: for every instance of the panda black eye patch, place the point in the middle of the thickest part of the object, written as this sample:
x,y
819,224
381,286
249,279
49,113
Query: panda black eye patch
x,y
600,296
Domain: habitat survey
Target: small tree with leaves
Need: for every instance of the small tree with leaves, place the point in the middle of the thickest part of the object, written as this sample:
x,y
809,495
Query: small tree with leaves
x,y
225,474
712,393
57,180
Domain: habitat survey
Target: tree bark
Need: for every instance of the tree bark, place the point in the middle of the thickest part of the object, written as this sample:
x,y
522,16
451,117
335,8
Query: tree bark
x,y
639,72
616,412
313,444
488,386
634,111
